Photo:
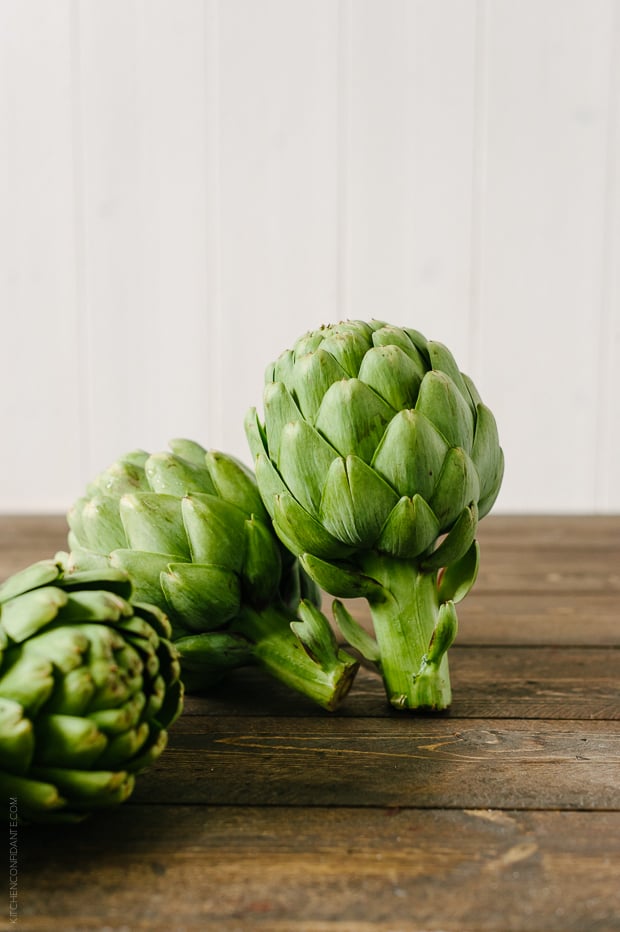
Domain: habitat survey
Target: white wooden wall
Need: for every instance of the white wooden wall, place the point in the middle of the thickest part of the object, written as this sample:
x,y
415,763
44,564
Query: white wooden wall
x,y
188,185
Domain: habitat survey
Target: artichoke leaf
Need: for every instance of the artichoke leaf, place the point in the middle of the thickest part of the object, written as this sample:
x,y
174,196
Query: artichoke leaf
x,y
16,737
189,450
204,597
34,795
235,483
73,692
114,721
123,747
94,605
410,529
103,576
485,504
68,741
315,633
145,570
346,582
91,787
300,531
153,523
270,482
353,418
170,474
261,567
473,391
444,633
458,485
99,523
456,543
305,458
282,369
389,335
355,502
125,475
486,453
216,648
215,530
355,635
458,578
32,577
411,454
442,360
28,613
393,375
156,618
26,679
280,410
347,345
254,433
443,404
313,374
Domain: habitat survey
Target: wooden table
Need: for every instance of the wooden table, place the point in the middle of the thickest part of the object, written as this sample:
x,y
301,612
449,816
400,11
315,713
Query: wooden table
x,y
267,814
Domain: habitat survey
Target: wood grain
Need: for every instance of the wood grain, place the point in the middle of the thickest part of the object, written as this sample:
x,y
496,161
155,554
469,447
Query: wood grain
x,y
326,870
403,762
267,814
500,682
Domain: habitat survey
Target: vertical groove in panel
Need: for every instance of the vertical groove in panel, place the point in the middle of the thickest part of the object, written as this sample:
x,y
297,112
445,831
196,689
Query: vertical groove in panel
x,y
213,310
83,330
608,407
39,375
543,243
345,64
479,137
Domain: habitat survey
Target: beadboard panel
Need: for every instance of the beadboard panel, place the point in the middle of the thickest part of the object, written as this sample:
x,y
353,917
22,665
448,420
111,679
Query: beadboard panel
x,y
186,187
278,172
542,241
140,112
410,124
40,402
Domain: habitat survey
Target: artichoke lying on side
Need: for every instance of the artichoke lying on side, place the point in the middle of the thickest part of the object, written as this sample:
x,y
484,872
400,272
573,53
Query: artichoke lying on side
x,y
89,684
376,460
191,530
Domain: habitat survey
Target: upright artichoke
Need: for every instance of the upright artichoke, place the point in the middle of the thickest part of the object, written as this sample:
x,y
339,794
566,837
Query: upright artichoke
x,y
89,683
376,460
191,530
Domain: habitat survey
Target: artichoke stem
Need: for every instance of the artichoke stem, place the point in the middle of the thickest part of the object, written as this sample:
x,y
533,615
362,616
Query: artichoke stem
x,y
280,652
404,619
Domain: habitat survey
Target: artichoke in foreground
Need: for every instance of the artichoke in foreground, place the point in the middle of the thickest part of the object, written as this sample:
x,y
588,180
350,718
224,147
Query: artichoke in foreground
x,y
376,460
190,529
89,684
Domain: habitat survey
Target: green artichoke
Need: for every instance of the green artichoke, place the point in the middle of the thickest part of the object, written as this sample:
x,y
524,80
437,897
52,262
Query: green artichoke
x,y
190,529
376,461
89,683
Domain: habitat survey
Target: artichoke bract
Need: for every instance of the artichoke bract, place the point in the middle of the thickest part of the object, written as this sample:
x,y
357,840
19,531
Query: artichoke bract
x,y
189,527
89,685
376,460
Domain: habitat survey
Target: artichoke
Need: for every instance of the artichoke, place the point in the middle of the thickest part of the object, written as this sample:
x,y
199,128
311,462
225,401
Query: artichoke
x,y
89,683
376,461
189,527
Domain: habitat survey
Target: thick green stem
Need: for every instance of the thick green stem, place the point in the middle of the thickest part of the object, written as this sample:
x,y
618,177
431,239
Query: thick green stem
x,y
278,650
404,619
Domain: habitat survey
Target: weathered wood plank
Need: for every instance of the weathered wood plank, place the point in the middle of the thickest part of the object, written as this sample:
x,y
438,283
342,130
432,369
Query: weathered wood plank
x,y
524,618
319,870
423,762
496,682
559,532
543,569
515,558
